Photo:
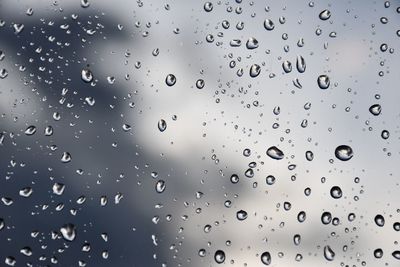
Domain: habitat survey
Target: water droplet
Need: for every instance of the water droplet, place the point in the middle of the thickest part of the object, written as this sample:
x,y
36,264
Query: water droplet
x,y
235,43
202,252
326,217
160,186
255,70
269,25
48,131
249,173
287,66
325,14
300,64
275,153
396,226
270,180
66,157
301,217
266,258
309,155
241,215
200,84
323,81
68,232
379,220
85,3
2,224
219,256
375,109
10,261
344,152
170,80
208,6
396,254
27,251
87,75
378,253
252,43
58,188
336,192
90,101
26,192
18,28
162,125
385,134
234,178
328,253
3,73
30,130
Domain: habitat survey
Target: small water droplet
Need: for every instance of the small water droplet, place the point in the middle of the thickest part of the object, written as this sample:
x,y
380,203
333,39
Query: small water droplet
x,y
200,84
208,6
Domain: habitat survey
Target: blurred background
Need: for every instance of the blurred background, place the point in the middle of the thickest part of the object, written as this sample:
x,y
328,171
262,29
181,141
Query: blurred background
x,y
122,123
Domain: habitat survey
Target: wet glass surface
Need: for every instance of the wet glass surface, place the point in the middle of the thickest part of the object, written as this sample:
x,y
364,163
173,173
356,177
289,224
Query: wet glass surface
x,y
196,133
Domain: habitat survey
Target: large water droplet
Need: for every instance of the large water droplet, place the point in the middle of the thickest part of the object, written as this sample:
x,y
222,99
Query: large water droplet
x,y
266,258
66,157
208,6
328,253
287,66
375,109
336,192
241,215
378,253
87,75
160,186
323,81
170,80
300,64
162,125
269,25
58,188
396,254
68,232
252,43
344,152
3,73
255,70
234,178
325,14
219,256
275,153
200,83
379,220
326,217
30,130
